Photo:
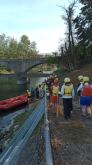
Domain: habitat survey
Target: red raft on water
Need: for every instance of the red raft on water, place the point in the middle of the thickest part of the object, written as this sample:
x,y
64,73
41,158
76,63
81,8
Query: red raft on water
x,y
13,102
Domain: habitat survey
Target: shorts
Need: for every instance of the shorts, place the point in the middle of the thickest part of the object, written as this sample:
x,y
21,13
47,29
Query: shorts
x,y
47,95
54,99
29,98
85,100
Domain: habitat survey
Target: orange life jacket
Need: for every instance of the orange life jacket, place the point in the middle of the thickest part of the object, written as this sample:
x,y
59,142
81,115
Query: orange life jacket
x,y
87,90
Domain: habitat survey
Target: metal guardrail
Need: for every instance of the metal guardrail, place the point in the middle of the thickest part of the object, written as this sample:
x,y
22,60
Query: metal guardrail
x,y
11,152
49,160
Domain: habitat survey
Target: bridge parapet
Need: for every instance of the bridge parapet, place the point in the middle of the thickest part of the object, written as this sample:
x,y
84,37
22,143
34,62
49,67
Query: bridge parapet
x,y
22,65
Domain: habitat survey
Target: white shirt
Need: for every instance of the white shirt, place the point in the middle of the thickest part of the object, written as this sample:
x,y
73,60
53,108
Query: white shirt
x,y
62,92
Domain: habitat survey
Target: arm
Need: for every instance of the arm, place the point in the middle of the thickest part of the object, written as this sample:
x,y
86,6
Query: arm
x,y
79,88
73,93
62,90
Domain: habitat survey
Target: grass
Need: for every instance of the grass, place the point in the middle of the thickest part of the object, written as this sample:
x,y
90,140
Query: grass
x,y
20,119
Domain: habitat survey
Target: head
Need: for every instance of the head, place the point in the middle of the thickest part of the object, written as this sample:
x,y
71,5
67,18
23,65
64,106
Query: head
x,y
80,78
86,79
55,82
67,80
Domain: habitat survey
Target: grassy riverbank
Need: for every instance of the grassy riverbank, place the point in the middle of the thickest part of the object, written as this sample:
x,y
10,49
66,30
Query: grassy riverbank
x,y
20,119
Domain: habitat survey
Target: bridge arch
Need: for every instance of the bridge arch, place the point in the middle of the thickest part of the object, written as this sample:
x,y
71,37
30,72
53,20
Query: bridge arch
x,y
22,65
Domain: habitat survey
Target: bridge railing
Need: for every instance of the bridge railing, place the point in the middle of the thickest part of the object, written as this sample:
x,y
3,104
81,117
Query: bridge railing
x,y
42,55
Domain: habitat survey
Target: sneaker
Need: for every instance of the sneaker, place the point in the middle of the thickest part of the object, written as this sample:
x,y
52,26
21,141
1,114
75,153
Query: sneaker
x,y
79,108
83,118
53,113
71,111
89,116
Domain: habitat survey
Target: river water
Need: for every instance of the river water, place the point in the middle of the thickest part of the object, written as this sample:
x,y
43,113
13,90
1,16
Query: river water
x,y
9,88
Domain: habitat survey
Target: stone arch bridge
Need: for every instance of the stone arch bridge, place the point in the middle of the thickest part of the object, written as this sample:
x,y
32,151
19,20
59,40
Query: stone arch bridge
x,y
21,66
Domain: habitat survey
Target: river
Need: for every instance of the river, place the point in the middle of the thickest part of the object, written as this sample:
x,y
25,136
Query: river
x,y
9,88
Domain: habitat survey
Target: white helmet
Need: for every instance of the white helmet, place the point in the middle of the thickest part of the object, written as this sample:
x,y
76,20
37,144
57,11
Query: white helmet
x,y
67,79
80,77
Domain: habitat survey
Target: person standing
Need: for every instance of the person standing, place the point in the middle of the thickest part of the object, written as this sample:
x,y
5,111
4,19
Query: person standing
x,y
29,96
32,90
67,92
86,97
72,100
37,92
41,91
80,78
54,97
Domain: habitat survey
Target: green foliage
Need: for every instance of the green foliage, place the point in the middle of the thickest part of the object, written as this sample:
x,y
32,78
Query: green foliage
x,y
83,26
52,60
60,71
41,122
11,48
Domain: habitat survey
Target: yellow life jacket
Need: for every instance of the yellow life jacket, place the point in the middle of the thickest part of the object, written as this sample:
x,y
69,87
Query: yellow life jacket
x,y
29,93
55,90
68,90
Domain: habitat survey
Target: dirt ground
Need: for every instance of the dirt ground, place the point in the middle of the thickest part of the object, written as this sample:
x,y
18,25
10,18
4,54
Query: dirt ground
x,y
71,140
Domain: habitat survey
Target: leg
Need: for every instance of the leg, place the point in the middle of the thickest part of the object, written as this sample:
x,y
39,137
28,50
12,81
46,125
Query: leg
x,y
53,107
89,111
69,107
65,108
83,112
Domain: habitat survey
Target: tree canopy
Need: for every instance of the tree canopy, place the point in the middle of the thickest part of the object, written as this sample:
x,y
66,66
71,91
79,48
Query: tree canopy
x,y
11,48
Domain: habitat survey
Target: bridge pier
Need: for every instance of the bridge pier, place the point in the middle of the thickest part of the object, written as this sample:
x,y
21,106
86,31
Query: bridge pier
x,y
21,80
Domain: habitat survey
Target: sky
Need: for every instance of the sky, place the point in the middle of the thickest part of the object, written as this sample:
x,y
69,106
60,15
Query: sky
x,y
40,20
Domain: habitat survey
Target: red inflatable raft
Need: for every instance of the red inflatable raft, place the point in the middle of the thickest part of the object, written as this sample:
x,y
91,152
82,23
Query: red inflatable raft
x,y
13,102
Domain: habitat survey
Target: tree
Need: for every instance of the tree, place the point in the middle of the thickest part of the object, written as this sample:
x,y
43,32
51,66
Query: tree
x,y
25,42
11,48
68,18
83,25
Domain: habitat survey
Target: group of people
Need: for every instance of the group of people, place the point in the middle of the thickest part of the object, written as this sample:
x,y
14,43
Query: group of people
x,y
84,91
39,91
51,87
